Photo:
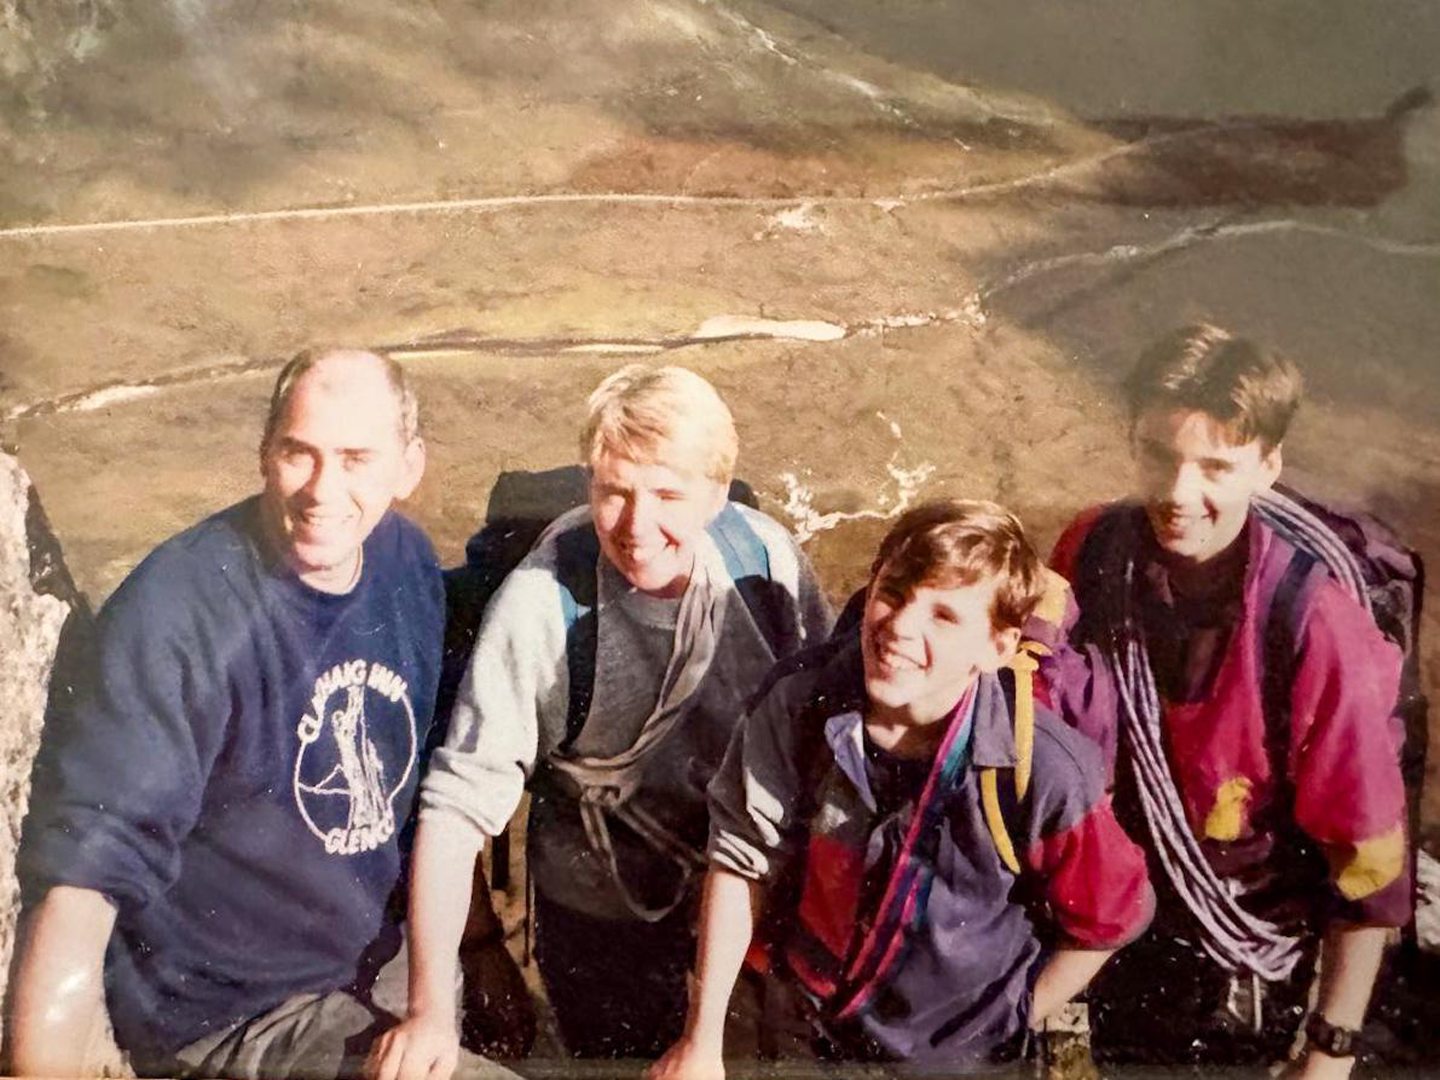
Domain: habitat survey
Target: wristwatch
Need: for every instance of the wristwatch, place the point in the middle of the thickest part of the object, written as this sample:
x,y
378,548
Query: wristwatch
x,y
1328,1038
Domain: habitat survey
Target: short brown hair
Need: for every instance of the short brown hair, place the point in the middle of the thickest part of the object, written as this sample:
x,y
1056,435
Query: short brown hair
x,y
641,413
303,362
950,543
1252,390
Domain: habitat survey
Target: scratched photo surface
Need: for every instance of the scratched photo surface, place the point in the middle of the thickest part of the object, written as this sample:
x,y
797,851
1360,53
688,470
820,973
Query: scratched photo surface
x,y
916,245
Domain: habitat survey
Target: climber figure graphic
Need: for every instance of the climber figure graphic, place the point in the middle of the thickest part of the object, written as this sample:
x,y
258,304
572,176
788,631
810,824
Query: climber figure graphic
x,y
360,773
360,764
357,749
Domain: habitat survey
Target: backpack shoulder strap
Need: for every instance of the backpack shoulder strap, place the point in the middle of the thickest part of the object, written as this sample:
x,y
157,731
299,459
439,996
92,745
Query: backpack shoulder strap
x,y
1097,581
995,818
744,552
1023,668
747,561
1280,645
577,552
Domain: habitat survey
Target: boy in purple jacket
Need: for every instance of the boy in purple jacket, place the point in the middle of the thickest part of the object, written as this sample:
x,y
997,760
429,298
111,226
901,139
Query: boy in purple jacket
x,y
943,884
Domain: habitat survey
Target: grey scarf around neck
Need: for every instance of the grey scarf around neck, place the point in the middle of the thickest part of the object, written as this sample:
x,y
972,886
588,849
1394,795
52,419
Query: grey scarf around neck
x,y
605,786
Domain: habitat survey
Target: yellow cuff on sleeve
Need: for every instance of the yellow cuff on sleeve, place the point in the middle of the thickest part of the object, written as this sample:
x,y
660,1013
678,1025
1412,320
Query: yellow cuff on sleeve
x,y
1369,865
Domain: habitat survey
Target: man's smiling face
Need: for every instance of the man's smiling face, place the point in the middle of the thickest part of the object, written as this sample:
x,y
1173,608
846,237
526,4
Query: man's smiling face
x,y
1196,482
332,466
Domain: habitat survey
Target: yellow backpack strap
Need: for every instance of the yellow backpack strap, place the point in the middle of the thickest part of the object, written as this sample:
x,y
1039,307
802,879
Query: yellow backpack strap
x,y
1023,665
990,801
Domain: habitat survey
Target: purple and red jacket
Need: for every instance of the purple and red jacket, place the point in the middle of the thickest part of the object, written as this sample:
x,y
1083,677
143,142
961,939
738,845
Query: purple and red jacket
x,y
794,806
1310,824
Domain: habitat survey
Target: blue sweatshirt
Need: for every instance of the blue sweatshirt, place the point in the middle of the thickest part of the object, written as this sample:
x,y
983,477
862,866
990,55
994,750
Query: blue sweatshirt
x,y
235,770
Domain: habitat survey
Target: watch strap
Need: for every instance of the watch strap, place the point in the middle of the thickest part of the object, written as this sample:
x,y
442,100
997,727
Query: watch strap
x,y
1331,1039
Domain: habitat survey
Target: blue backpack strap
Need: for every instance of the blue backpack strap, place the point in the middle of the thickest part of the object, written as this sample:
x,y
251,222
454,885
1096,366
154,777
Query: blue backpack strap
x,y
745,553
747,560
577,553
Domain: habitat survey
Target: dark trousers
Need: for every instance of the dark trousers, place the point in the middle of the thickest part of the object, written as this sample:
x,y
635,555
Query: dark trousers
x,y
618,988
1162,1001
311,1037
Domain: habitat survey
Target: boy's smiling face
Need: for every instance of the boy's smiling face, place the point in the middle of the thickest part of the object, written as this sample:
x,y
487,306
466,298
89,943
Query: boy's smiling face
x,y
1196,481
922,647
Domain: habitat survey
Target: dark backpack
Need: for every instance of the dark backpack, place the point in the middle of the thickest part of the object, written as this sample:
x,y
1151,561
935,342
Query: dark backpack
x,y
1394,585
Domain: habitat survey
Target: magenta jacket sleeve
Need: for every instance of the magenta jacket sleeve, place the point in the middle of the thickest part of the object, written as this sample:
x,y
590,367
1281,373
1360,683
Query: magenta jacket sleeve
x,y
1094,877
1344,758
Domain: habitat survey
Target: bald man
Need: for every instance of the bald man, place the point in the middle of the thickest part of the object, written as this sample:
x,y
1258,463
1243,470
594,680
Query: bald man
x,y
213,836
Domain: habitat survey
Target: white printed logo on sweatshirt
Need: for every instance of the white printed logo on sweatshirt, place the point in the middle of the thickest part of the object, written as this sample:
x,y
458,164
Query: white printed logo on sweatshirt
x,y
357,747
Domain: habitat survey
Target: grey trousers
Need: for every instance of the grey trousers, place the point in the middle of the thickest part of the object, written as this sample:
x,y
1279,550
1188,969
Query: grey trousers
x,y
316,1037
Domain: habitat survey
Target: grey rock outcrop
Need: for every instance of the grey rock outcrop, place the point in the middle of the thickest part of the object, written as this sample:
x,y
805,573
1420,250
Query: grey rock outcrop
x,y
37,596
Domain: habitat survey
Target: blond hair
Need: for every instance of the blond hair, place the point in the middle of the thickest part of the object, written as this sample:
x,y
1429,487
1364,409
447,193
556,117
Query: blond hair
x,y
667,415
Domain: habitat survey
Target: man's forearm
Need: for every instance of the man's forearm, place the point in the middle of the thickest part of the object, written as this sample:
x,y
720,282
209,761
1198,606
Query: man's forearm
x,y
727,925
1351,959
1065,974
57,1002
441,875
